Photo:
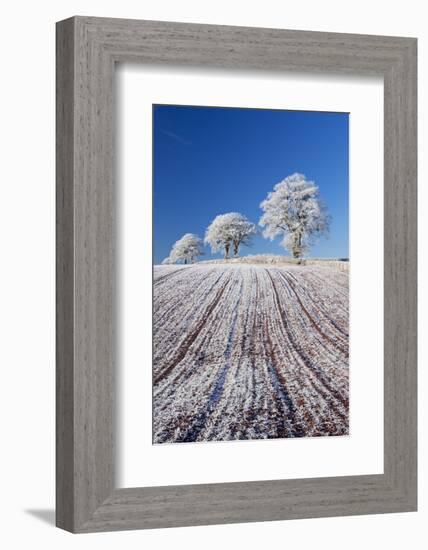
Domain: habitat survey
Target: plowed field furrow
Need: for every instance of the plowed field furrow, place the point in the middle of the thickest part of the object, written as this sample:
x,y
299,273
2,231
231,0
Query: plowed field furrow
x,y
185,320
315,308
311,319
249,352
299,370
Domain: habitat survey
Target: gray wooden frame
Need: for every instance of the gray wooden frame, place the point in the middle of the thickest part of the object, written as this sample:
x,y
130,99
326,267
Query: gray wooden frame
x,y
87,50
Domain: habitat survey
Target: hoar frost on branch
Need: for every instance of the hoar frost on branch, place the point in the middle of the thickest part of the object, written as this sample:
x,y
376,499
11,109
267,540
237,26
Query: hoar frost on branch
x,y
229,230
294,211
187,249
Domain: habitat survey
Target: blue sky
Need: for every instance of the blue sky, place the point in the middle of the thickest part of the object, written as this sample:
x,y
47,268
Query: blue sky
x,y
213,160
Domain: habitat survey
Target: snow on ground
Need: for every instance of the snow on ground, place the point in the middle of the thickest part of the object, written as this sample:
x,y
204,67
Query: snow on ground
x,y
249,352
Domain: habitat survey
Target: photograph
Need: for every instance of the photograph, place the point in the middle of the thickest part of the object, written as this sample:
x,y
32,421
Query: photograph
x,y
250,274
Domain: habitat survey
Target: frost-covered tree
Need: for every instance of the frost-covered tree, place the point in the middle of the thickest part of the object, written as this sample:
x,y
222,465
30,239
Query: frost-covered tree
x,y
294,211
217,235
229,230
187,249
241,231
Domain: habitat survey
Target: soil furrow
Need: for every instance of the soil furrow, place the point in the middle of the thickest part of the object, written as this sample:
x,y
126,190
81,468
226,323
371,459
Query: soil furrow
x,y
249,352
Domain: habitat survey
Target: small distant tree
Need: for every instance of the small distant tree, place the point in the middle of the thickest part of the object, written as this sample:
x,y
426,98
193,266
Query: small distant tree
x,y
294,211
186,250
229,230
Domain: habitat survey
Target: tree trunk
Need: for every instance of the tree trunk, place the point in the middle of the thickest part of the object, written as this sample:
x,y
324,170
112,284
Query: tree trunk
x,y
235,248
297,246
185,261
226,251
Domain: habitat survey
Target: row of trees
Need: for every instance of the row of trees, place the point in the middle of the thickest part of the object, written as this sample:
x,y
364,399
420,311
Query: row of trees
x,y
292,211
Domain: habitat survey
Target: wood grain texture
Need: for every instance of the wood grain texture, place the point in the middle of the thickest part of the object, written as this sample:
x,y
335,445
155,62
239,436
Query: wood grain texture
x,y
87,49
64,276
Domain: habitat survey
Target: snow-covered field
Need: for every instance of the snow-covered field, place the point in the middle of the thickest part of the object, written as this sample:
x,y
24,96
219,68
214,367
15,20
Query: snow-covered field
x,y
249,352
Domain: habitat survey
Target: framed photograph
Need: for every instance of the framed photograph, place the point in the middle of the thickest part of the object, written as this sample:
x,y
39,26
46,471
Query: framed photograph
x,y
236,274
